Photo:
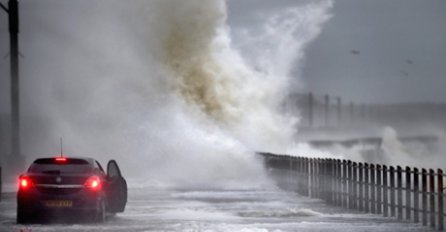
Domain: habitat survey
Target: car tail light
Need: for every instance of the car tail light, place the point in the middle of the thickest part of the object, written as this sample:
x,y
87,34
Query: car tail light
x,y
60,159
93,183
25,182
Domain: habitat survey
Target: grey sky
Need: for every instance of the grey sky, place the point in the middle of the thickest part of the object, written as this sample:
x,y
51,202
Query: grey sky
x,y
401,45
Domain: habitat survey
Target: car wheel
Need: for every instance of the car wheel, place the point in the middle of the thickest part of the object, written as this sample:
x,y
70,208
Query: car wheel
x,y
22,216
100,212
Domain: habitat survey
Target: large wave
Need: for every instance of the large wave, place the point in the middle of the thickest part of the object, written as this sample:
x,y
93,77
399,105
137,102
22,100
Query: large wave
x,y
160,86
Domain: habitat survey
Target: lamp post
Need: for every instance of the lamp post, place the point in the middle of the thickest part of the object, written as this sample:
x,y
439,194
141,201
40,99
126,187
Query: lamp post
x,y
13,13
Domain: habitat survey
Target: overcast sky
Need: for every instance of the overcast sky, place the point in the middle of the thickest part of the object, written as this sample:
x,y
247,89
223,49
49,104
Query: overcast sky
x,y
369,51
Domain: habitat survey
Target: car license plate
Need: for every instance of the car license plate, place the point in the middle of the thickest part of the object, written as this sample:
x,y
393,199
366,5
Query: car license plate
x,y
59,204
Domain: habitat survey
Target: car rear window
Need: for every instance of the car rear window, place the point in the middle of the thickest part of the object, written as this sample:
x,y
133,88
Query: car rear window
x,y
52,166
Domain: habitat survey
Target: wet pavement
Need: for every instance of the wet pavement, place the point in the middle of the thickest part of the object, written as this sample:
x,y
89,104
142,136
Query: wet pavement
x,y
158,209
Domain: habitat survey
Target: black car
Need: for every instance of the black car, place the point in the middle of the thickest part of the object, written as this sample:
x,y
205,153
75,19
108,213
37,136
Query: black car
x,y
70,186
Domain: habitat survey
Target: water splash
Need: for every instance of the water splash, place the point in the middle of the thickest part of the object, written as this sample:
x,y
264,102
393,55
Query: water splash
x,y
160,87
229,88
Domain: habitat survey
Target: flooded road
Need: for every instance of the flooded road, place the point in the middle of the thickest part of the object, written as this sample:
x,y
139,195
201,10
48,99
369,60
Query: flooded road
x,y
154,209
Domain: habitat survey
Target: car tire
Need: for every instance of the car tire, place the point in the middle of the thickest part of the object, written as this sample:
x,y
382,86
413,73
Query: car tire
x,y
100,214
23,217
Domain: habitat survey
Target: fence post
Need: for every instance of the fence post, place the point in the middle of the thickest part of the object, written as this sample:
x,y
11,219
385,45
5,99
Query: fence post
x,y
366,188
424,196
328,182
303,175
416,194
290,181
311,179
440,200
307,176
324,183
361,187
335,181
350,184
344,182
331,182
299,174
309,170
320,175
392,191
432,197
294,174
408,191
355,185
399,176
319,178
378,189
338,181
372,189
385,192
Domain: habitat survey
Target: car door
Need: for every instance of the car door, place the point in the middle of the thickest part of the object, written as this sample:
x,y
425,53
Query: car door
x,y
117,188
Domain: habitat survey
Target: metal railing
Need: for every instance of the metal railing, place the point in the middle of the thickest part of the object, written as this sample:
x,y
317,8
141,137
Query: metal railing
x,y
404,193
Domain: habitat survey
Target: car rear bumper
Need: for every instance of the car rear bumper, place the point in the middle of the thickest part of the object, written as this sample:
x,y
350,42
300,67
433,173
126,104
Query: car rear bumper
x,y
33,201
